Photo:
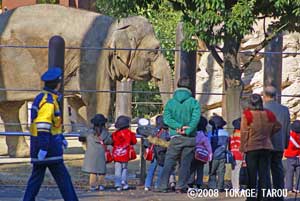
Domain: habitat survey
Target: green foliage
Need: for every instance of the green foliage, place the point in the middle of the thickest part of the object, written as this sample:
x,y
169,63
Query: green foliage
x,y
146,105
164,21
48,1
124,8
214,20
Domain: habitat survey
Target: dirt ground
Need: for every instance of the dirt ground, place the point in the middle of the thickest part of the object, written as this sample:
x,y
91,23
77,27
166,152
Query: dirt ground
x,y
15,173
13,178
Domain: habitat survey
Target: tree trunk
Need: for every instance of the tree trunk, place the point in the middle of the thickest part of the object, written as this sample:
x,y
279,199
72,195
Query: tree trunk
x,y
273,65
233,85
16,145
185,62
124,100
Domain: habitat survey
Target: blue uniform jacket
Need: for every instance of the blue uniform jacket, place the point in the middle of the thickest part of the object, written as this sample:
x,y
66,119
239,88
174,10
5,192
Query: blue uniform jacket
x,y
46,128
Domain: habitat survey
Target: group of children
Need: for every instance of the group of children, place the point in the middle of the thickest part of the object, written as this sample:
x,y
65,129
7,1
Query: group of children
x,y
216,144
97,154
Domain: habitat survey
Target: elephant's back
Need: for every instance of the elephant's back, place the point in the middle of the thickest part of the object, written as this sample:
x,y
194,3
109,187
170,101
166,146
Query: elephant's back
x,y
34,26
44,21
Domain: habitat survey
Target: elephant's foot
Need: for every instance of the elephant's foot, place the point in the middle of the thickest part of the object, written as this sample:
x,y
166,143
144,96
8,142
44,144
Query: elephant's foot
x,y
19,149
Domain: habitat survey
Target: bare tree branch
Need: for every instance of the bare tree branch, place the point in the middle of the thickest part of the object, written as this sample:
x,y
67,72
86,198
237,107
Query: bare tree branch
x,y
264,17
216,55
219,48
262,45
264,27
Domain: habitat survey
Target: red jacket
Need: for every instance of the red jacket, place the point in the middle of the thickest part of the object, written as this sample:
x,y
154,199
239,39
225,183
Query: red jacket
x,y
234,145
293,148
122,139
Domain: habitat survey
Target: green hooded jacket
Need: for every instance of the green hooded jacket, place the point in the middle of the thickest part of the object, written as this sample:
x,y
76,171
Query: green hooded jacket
x,y
182,110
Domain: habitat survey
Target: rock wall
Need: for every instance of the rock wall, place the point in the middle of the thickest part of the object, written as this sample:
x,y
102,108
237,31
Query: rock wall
x,y
210,74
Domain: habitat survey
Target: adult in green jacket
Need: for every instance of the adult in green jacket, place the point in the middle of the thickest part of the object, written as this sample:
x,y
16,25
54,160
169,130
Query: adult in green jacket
x,y
182,114
182,111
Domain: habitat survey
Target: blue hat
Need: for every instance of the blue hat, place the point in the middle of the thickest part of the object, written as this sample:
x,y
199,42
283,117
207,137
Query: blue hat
x,y
202,124
237,123
160,122
217,121
53,73
122,122
296,126
98,120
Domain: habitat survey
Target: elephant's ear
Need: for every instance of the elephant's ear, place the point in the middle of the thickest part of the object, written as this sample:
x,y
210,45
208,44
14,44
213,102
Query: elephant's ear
x,y
122,40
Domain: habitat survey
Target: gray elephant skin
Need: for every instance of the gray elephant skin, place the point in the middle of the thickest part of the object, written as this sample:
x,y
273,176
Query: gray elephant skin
x,y
92,69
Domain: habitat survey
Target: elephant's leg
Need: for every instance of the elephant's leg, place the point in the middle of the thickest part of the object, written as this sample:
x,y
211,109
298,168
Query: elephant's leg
x,y
66,118
80,116
77,105
16,145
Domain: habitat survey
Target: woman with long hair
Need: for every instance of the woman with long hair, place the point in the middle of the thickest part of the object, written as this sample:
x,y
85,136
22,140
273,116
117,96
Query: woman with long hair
x,y
257,127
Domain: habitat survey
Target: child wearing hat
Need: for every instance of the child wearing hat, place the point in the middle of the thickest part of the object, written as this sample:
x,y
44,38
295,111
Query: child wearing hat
x,y
122,138
203,143
161,132
292,153
94,160
234,146
219,141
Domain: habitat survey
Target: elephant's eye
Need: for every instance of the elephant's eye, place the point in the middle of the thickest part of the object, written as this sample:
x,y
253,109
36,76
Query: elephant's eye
x,y
155,50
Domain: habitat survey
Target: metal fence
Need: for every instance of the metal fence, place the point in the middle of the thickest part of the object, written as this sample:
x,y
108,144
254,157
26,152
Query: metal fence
x,y
135,104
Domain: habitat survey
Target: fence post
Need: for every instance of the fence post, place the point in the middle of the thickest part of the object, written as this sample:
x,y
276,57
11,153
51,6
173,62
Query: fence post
x,y
142,163
273,65
56,58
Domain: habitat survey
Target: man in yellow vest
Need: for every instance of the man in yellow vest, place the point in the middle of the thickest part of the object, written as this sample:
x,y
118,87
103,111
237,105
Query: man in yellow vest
x,y
47,141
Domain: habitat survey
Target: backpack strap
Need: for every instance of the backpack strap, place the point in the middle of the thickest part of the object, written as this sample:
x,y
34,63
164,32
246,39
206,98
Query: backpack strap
x,y
100,139
158,134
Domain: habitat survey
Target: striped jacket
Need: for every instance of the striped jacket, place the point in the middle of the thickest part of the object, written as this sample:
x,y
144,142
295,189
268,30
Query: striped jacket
x,y
219,141
293,149
46,127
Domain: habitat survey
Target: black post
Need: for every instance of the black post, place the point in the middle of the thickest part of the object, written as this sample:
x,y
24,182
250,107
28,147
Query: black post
x,y
56,58
273,64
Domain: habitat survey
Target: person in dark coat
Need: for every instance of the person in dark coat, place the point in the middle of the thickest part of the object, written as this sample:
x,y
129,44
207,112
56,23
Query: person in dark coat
x,y
197,166
47,141
161,131
219,138
257,127
94,160
280,139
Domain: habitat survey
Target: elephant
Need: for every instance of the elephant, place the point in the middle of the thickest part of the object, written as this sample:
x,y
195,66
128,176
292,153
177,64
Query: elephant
x,y
97,68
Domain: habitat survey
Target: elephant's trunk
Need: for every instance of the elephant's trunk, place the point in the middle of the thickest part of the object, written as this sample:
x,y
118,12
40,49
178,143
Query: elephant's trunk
x,y
162,73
